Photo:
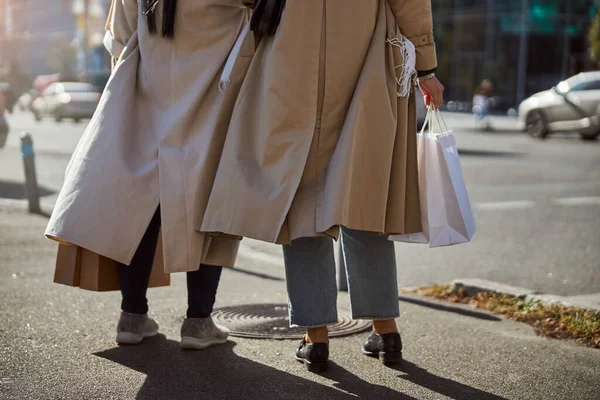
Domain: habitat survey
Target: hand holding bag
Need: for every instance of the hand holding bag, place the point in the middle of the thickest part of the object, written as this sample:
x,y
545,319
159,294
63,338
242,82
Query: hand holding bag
x,y
445,207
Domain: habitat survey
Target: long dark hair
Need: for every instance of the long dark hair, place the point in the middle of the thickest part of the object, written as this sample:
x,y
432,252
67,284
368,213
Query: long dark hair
x,y
168,20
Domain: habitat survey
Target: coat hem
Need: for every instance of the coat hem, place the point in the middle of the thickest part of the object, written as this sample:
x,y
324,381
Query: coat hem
x,y
54,237
326,233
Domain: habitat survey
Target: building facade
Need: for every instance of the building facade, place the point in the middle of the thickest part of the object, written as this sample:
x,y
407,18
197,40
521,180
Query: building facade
x,y
46,37
523,46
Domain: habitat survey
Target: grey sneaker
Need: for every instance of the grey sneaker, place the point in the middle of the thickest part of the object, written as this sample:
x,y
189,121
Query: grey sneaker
x,y
200,333
133,328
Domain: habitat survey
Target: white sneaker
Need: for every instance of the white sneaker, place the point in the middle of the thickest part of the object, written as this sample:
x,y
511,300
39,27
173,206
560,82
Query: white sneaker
x,y
133,328
200,333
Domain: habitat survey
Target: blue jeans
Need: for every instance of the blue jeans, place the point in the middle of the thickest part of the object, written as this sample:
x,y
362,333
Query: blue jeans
x,y
311,280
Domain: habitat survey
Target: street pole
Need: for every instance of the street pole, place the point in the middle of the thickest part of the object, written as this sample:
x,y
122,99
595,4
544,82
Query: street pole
x,y
523,52
489,38
4,16
456,59
31,187
567,41
86,36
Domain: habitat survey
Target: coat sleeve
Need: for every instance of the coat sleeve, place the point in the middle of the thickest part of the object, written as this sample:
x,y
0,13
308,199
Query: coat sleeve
x,y
120,26
416,23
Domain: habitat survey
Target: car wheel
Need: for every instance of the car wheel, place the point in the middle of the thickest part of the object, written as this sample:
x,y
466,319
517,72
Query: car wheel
x,y
589,136
58,118
536,125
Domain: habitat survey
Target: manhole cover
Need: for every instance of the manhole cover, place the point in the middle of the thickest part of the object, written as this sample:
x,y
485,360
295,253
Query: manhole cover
x,y
270,321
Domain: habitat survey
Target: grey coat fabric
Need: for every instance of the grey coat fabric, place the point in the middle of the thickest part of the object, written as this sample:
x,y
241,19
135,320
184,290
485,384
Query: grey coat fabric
x,y
156,137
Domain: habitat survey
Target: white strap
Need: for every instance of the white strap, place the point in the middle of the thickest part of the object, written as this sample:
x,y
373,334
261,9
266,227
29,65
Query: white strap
x,y
233,56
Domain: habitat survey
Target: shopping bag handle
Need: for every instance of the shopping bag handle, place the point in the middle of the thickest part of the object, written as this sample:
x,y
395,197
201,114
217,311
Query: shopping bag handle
x,y
440,118
432,113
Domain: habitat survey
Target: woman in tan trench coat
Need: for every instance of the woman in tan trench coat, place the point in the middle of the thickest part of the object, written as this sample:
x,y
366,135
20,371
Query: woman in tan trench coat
x,y
156,139
323,136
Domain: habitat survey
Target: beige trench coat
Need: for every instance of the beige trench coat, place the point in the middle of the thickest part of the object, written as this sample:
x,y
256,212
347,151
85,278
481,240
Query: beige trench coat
x,y
156,138
319,136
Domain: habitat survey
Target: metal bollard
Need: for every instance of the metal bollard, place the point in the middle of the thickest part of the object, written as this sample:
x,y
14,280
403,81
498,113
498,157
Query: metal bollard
x,y
31,187
341,269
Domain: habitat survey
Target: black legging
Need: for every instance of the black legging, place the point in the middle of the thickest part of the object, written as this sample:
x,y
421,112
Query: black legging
x,y
202,284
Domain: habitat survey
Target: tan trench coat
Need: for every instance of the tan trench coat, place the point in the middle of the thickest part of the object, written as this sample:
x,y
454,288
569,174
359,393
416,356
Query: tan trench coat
x,y
319,137
156,138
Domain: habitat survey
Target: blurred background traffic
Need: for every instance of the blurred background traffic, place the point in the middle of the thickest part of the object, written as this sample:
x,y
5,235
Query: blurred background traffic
x,y
493,55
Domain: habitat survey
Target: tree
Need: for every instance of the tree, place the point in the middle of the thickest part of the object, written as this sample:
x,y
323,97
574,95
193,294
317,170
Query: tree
x,y
594,38
18,79
63,57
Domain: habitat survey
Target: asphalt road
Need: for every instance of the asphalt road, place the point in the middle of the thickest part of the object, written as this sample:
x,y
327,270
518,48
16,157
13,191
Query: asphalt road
x,y
57,342
537,205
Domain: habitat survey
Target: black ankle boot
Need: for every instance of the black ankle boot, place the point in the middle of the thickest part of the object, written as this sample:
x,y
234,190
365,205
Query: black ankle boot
x,y
388,347
313,355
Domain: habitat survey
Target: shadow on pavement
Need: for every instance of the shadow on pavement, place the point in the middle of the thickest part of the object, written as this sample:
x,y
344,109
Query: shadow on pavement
x,y
255,274
488,153
492,131
358,388
219,373
446,387
16,191
456,310
44,214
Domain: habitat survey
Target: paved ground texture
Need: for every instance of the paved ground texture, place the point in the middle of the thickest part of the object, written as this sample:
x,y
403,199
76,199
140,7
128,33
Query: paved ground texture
x,y
57,342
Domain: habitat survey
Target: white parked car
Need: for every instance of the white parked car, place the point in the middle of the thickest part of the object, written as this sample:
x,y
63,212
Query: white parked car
x,y
571,106
25,101
61,100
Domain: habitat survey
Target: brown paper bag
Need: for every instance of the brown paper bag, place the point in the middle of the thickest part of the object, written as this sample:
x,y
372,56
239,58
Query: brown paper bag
x,y
68,265
98,273
76,266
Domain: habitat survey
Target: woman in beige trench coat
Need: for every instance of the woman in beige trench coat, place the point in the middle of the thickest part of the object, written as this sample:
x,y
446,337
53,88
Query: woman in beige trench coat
x,y
323,136
156,139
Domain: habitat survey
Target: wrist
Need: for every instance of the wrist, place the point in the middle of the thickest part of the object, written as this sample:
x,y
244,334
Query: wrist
x,y
426,72
426,77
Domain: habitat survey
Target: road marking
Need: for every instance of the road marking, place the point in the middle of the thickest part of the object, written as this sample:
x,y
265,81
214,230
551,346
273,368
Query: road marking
x,y
506,205
577,201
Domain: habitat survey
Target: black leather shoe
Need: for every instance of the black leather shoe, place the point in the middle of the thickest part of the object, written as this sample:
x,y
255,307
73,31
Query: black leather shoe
x,y
313,355
388,347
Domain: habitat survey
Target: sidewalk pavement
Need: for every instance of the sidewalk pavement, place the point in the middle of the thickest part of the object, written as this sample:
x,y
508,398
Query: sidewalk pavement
x,y
58,342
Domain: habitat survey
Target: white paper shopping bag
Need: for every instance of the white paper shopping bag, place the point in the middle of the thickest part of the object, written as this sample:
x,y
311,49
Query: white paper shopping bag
x,y
445,207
